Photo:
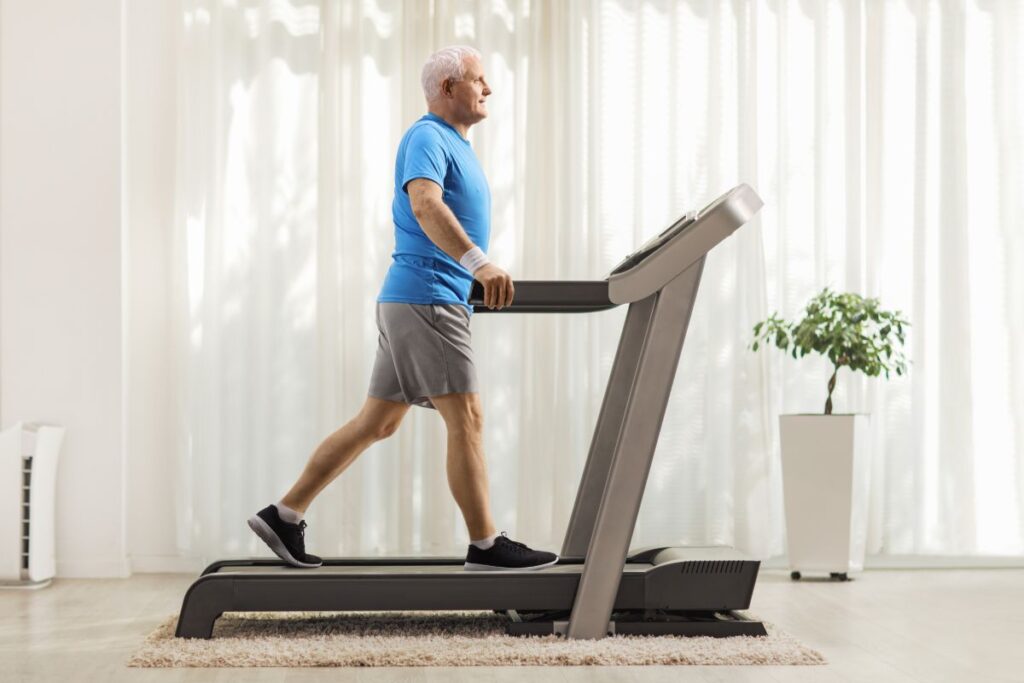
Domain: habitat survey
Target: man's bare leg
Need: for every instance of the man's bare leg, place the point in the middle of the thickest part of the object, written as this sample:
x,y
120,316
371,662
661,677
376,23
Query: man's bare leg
x,y
377,420
467,467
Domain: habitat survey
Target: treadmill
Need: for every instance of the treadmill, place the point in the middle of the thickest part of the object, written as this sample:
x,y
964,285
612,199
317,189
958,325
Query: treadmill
x,y
599,586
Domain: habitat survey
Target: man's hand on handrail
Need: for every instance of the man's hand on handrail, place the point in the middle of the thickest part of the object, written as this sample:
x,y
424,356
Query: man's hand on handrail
x,y
498,287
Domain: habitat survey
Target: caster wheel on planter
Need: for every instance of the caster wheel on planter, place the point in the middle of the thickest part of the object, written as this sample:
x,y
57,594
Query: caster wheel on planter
x,y
795,576
841,576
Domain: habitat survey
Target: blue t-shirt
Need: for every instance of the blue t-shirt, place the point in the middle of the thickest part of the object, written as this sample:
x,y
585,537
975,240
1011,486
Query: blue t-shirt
x,y
421,272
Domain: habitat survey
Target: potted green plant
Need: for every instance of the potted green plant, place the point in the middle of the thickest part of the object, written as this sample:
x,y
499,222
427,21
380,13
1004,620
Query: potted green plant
x,y
825,457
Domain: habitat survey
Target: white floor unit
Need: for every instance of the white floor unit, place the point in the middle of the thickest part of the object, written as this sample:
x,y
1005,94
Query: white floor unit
x,y
28,477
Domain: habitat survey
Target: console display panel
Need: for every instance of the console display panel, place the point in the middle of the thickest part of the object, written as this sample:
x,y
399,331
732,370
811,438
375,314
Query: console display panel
x,y
654,243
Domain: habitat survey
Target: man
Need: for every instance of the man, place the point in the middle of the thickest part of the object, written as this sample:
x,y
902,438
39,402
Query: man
x,y
442,216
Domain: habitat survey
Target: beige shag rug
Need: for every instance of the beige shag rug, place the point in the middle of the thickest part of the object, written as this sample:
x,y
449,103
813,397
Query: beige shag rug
x,y
363,639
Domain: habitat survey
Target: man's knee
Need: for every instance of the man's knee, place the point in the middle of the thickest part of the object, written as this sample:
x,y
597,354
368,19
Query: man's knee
x,y
462,413
382,430
380,419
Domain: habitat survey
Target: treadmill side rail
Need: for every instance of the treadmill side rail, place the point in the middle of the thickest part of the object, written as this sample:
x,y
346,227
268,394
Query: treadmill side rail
x,y
340,588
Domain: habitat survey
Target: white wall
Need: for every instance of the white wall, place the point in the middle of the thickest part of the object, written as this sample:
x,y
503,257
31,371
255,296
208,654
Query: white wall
x,y
60,259
83,343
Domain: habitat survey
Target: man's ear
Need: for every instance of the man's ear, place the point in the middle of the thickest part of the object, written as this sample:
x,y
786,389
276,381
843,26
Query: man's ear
x,y
446,86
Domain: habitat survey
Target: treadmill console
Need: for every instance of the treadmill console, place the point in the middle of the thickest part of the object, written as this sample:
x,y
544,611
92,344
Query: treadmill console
x,y
653,244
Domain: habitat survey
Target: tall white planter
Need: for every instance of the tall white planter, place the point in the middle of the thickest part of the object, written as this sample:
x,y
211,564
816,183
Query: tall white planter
x,y
825,475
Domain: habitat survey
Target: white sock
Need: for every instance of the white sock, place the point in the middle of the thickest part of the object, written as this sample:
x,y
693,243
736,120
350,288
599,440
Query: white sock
x,y
485,543
287,514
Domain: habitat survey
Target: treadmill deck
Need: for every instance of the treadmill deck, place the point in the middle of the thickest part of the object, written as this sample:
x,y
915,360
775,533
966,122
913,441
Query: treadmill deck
x,y
690,580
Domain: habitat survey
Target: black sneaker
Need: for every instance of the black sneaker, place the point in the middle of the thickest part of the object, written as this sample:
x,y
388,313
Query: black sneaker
x,y
286,540
507,554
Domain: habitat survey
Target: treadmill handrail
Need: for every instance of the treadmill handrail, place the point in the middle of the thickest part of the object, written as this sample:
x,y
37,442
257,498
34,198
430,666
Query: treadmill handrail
x,y
650,274
549,296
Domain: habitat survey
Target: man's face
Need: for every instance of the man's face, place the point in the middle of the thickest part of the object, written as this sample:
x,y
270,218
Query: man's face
x,y
469,95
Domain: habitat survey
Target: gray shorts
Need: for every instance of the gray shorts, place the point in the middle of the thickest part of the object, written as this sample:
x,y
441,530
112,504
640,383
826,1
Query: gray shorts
x,y
423,350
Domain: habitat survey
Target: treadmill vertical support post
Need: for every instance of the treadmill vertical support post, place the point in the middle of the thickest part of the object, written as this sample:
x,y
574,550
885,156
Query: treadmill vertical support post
x,y
644,371
607,429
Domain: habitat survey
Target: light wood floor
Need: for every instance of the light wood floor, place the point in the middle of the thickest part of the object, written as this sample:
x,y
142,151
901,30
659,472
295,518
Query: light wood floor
x,y
937,625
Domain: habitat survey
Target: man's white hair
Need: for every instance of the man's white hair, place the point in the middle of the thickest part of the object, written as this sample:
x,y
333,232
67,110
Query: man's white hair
x,y
448,62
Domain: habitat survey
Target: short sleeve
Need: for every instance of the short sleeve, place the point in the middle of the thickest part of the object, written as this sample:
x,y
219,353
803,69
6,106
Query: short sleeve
x,y
424,156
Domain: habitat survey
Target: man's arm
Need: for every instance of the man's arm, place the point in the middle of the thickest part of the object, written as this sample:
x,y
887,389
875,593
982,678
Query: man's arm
x,y
443,229
436,219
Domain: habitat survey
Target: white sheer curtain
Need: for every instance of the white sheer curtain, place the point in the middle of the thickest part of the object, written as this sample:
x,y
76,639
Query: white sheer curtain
x,y
885,137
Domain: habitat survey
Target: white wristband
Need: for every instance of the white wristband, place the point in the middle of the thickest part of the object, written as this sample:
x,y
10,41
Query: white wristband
x,y
474,259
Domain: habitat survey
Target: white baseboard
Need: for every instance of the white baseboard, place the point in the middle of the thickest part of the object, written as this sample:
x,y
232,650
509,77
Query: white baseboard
x,y
924,562
166,564
112,568
944,562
